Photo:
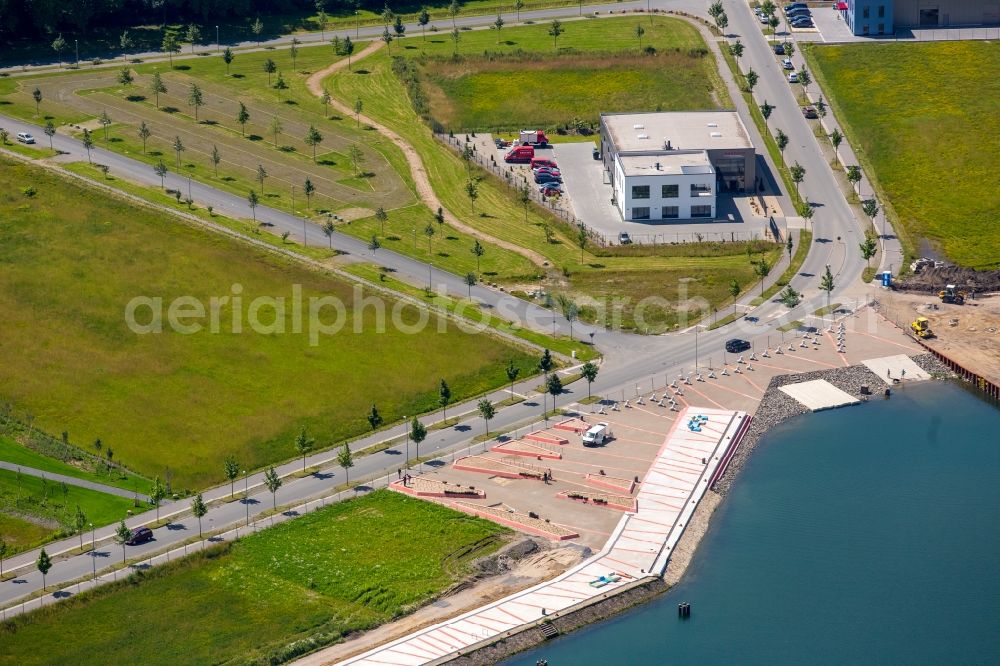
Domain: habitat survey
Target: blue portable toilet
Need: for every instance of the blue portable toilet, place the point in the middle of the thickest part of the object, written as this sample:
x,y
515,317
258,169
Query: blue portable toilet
x,y
886,279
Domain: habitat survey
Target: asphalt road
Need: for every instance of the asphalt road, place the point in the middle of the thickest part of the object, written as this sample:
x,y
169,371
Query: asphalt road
x,y
629,360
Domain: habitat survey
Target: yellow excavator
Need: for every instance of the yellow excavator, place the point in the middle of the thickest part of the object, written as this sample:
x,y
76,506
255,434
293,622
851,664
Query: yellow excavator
x,y
951,294
921,327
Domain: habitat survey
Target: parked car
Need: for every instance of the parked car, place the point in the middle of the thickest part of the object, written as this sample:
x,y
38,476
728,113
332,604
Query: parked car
x,y
797,11
795,5
547,178
787,63
624,238
597,435
809,112
802,23
735,346
793,77
537,162
501,143
548,171
24,137
554,186
139,535
551,190
799,16
779,49
597,153
763,19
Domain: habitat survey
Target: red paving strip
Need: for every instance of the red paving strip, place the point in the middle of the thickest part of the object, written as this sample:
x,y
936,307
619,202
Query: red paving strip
x,y
843,357
632,538
692,388
595,452
879,337
611,559
752,382
726,388
505,625
519,620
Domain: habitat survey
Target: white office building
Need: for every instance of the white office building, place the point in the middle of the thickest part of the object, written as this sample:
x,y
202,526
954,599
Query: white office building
x,y
671,166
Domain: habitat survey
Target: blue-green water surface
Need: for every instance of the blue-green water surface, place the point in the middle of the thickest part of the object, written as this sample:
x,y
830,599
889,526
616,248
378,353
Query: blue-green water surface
x,y
868,534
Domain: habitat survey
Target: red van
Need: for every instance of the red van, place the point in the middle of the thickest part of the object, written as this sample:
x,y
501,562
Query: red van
x,y
519,154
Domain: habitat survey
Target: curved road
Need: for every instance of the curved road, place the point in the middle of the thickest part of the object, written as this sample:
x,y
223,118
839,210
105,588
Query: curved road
x,y
629,360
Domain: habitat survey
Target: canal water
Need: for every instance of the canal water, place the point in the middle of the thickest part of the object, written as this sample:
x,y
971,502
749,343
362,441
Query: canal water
x,y
868,534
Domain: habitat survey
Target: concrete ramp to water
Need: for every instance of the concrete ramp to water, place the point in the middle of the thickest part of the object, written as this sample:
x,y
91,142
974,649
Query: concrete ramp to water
x,y
819,394
900,366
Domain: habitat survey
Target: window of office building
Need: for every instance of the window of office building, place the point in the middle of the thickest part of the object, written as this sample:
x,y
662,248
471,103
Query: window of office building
x,y
881,28
641,213
865,12
698,190
881,11
640,192
864,29
700,211
671,212
671,192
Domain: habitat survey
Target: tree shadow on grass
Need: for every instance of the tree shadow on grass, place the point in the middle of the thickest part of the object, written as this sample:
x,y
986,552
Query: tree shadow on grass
x,y
239,76
361,71
169,109
136,98
182,68
255,137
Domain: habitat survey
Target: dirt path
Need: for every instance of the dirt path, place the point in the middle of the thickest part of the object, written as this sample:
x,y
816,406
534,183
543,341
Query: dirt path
x,y
424,190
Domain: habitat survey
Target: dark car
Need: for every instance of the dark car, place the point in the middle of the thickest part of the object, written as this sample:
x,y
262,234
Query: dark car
x,y
500,143
809,112
140,535
735,346
546,178
597,154
624,238
779,49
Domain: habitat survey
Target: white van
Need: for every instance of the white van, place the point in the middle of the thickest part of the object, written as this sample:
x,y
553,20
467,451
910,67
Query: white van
x,y
24,137
597,435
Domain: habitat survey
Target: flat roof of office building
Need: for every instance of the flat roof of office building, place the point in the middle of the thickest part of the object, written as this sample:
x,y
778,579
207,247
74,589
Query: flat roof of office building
x,y
685,130
672,163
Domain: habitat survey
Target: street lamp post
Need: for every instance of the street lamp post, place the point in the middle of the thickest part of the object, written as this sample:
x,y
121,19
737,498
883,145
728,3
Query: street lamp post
x,y
218,46
93,555
407,440
246,493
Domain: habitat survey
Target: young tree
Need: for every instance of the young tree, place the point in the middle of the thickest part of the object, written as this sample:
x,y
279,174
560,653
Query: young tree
x,y
198,509
232,470
157,86
870,207
821,107
423,20
279,83
293,51
160,169
328,229
313,139
195,99
765,110
487,411
273,482
439,215
639,32
303,445
4,135
358,105
444,397
734,291
589,372
59,45
242,117
381,216
854,177
387,38
374,244
170,45
257,27
121,536
737,50
722,22
472,191
308,189
44,563
456,37
178,149
193,35
270,67
581,239
157,491
470,282
752,78
429,231
762,268
836,138
261,176
868,247
36,95
399,28
524,196
826,284
555,29
545,363
326,103
569,310
789,49
252,201
789,297
356,156
105,121
50,131
144,134
497,25
3,554
88,143
79,522
773,21
216,158
418,433
798,174
782,140
512,373
806,211
346,460
453,10
347,48
479,251
126,43
374,418
227,57
518,6
554,386
804,78
789,245
276,128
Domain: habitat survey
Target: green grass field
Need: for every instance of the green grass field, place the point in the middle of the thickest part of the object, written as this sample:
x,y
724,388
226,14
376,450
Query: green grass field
x,y
923,120
20,534
54,506
271,596
18,454
74,258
